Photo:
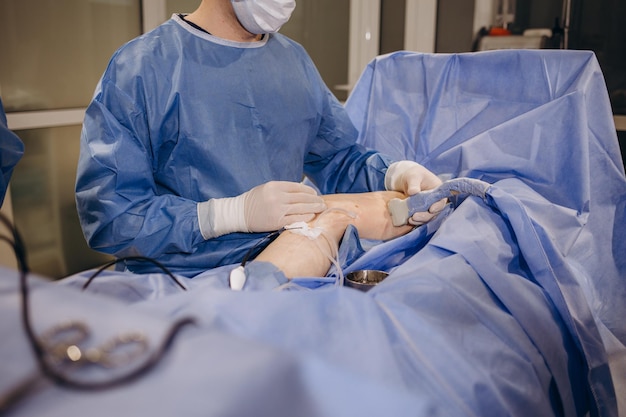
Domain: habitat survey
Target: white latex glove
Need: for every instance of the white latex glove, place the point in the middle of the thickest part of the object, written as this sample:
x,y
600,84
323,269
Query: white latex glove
x,y
410,178
266,207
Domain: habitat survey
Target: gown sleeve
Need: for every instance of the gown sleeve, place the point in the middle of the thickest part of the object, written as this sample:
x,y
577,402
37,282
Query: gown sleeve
x,y
119,206
336,163
11,151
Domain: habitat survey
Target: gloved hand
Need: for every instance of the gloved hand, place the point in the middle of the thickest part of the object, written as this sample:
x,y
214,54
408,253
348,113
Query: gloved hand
x,y
266,207
275,204
410,178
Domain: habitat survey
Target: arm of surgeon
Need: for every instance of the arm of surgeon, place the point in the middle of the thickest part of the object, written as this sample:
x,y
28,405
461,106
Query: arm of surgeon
x,y
297,255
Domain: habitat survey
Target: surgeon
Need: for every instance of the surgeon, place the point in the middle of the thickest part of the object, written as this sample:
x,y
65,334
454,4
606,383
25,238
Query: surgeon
x,y
11,151
200,133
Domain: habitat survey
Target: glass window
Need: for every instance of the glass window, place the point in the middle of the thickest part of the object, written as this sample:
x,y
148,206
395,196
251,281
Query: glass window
x,y
54,51
322,27
42,190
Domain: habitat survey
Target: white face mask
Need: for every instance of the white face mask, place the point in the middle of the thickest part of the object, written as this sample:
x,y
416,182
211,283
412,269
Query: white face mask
x,y
263,16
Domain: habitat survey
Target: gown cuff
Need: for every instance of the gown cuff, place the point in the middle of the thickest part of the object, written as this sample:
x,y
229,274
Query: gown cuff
x,y
220,216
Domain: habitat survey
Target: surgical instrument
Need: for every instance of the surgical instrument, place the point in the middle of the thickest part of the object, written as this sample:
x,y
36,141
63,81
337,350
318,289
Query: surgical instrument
x,y
401,210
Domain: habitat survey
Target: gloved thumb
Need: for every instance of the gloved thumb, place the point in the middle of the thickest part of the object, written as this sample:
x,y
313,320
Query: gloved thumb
x,y
410,178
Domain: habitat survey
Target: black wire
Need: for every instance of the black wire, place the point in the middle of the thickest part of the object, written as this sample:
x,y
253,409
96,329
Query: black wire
x,y
20,255
133,258
39,351
256,249
66,381
17,244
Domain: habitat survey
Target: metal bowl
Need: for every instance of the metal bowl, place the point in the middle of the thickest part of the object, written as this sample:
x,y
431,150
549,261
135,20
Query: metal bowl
x,y
364,280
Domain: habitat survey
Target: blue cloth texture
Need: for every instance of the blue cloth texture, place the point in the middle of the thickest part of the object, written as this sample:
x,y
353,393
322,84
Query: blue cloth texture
x,y
180,117
511,303
542,121
12,149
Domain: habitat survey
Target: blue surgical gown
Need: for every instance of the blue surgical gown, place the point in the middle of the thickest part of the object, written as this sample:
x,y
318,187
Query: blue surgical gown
x,y
11,151
180,117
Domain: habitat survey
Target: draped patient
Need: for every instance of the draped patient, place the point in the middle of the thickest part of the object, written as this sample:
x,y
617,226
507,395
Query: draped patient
x,y
298,255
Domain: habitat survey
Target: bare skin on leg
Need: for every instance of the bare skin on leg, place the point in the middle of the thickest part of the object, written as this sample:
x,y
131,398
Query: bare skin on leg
x,y
298,256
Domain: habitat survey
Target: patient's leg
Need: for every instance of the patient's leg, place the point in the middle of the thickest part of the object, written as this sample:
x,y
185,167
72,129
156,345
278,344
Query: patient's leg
x,y
298,256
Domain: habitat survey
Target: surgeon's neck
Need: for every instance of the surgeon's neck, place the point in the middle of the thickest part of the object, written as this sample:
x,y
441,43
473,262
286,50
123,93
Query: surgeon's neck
x,y
218,18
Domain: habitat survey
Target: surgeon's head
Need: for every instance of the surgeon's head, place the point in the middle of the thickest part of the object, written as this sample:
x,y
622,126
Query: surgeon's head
x,y
263,16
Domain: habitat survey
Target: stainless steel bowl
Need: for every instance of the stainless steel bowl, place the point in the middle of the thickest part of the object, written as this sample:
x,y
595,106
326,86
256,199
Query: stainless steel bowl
x,y
364,280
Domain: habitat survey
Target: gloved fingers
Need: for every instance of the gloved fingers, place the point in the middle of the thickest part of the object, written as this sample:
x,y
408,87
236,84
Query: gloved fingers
x,y
420,179
438,206
410,178
284,192
421,218
268,204
290,187
424,217
297,198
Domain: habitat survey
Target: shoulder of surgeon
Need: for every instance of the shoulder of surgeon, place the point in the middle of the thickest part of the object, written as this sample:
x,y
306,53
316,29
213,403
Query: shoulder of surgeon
x,y
159,44
297,51
287,42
